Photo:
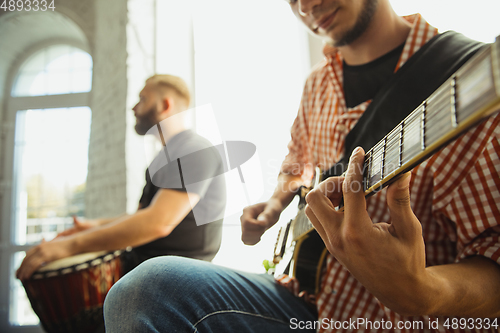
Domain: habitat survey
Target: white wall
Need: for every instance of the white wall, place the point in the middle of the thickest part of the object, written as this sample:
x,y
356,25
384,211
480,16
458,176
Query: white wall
x,y
476,19
251,61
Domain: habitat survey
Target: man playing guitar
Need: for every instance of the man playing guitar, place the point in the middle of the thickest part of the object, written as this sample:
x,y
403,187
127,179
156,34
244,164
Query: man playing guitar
x,y
432,259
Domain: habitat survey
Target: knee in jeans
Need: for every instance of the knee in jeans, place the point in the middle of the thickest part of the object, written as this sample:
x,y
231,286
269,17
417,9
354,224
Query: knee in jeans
x,y
118,295
156,276
149,276
131,287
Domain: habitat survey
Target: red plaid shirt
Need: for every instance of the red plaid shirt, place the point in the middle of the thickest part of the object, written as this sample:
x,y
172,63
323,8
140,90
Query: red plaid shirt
x,y
455,194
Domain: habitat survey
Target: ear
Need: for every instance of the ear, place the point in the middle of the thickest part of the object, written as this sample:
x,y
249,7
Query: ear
x,y
167,106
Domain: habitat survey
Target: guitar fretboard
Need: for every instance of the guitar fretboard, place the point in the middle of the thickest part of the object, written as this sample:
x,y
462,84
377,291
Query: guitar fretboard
x,y
470,95
461,102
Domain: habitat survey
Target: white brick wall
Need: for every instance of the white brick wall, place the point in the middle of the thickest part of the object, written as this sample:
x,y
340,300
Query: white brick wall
x,y
141,65
106,180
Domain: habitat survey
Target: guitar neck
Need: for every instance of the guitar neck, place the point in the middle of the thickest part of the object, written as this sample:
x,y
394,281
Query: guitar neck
x,y
466,98
470,95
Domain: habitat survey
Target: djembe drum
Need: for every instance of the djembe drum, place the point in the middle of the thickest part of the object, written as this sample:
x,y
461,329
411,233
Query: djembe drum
x,y
68,294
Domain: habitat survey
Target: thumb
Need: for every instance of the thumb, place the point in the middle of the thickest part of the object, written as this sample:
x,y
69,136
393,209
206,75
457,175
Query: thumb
x,y
398,195
398,200
76,221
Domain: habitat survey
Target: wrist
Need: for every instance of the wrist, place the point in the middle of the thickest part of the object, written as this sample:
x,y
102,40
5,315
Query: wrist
x,y
276,205
437,293
427,295
281,199
74,245
96,222
416,295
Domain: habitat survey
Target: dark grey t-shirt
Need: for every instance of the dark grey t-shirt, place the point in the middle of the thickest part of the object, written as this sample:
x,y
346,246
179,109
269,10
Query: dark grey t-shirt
x,y
188,163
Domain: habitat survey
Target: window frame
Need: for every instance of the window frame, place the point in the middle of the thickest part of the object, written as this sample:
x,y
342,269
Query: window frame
x,y
7,201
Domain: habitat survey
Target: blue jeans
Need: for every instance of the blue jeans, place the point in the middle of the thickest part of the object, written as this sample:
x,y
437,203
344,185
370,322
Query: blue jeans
x,y
173,294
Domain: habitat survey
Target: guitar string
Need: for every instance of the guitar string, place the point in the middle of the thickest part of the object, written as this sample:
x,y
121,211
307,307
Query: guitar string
x,y
434,105
435,117
390,141
441,99
411,125
394,159
381,147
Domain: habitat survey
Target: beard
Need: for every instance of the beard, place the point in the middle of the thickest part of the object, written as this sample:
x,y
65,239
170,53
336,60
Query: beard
x,y
362,23
146,121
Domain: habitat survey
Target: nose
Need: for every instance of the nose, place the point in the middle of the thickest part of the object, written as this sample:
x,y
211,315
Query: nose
x,y
135,107
306,6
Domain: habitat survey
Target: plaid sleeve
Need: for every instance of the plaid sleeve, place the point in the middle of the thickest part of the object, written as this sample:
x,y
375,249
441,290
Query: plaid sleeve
x,y
473,187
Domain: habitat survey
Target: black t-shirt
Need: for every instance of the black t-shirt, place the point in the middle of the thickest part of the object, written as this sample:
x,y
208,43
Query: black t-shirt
x,y
362,82
188,163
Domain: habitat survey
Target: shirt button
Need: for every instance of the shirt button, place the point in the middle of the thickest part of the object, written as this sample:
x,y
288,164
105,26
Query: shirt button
x,y
328,290
341,128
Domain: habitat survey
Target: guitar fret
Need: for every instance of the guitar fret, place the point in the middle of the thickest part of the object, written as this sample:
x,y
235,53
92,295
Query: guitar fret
x,y
422,126
382,164
400,159
411,135
475,86
437,111
368,158
391,152
376,160
495,63
453,102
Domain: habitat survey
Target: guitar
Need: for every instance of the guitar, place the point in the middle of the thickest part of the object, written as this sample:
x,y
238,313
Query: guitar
x,y
469,96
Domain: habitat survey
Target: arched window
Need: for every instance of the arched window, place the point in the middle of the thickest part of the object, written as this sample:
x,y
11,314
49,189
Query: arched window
x,y
49,109
57,69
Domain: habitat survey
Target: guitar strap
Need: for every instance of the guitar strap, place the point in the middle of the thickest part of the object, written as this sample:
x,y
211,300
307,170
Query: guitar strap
x,y
416,80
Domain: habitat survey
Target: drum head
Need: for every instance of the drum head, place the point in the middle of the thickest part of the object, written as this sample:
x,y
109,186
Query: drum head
x,y
72,261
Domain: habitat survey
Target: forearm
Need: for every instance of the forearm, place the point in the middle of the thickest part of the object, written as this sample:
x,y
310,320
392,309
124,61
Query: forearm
x,y
120,233
470,288
104,221
287,187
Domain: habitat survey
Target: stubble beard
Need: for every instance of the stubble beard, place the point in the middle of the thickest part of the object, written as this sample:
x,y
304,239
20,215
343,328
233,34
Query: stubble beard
x,y
145,122
364,19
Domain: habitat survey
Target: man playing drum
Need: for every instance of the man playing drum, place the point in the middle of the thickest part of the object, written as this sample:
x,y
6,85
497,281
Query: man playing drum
x,y
164,224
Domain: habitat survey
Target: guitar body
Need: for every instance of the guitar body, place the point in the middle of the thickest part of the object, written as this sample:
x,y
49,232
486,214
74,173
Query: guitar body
x,y
300,251
303,260
310,252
